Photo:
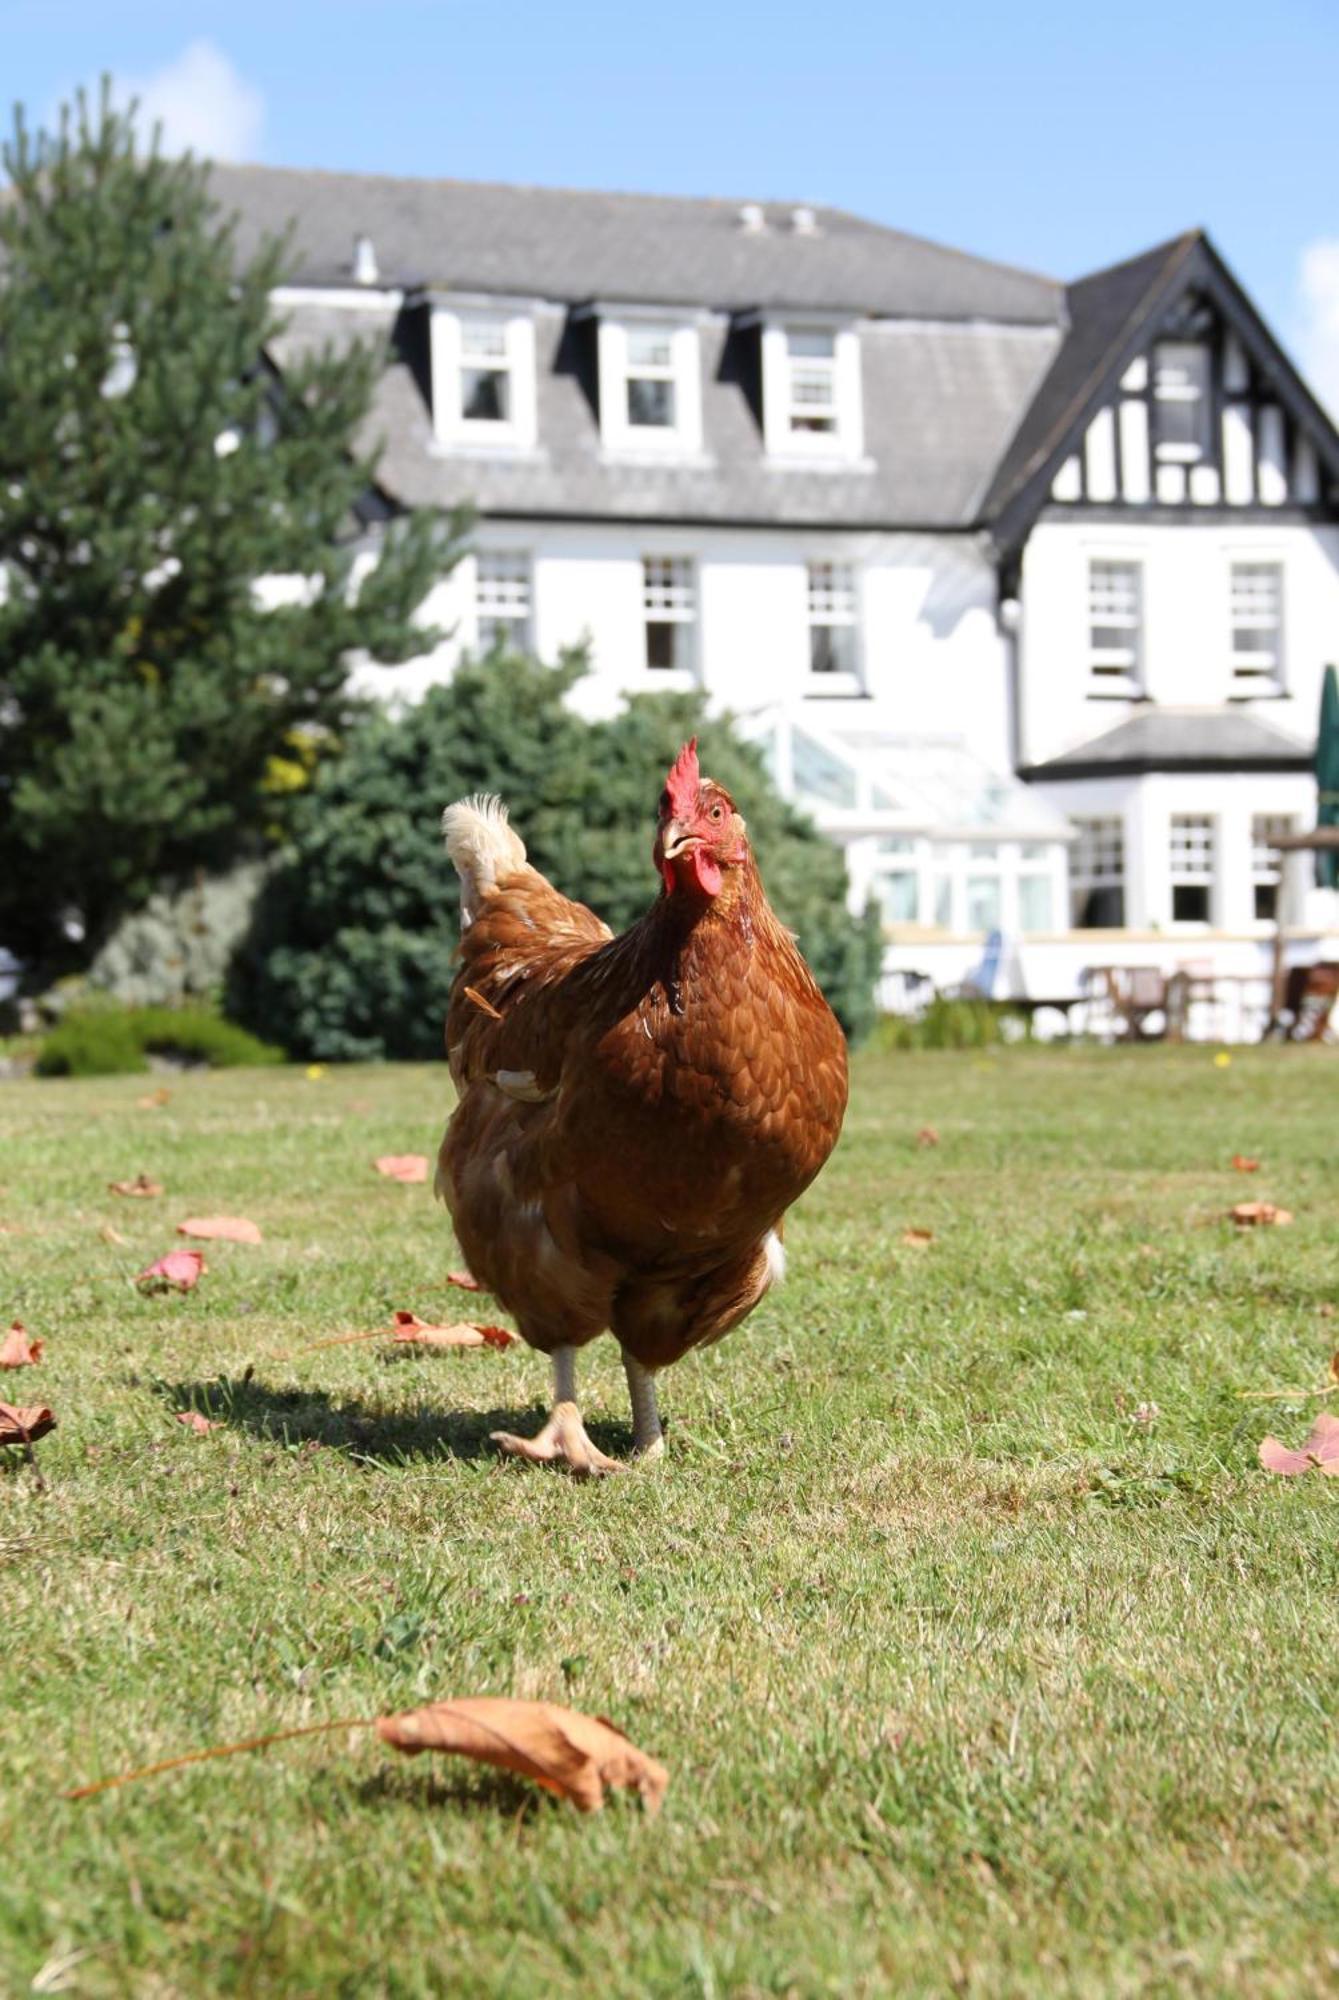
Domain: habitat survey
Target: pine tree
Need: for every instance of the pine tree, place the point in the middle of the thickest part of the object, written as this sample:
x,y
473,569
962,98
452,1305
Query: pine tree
x,y
152,468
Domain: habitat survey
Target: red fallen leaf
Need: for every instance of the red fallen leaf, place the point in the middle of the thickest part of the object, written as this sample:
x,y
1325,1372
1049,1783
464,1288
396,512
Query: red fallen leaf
x,y
1244,1164
220,1229
155,1099
17,1350
1321,1449
179,1271
21,1426
572,1755
466,1280
927,1136
141,1188
195,1422
1250,1214
411,1168
462,1333
918,1239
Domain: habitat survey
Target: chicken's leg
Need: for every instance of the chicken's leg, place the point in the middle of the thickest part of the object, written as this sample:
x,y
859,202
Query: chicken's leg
x,y
564,1435
648,1439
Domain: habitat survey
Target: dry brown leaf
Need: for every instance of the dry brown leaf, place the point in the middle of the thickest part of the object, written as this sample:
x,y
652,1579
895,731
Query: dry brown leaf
x,y
466,1281
572,1755
927,1136
155,1099
110,1235
195,1422
1244,1164
17,1349
918,1239
462,1333
220,1229
1321,1449
1252,1214
411,1168
140,1189
1326,1309
180,1271
22,1425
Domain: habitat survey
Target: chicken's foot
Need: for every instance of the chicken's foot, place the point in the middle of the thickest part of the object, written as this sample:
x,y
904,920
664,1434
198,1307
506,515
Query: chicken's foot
x,y
564,1435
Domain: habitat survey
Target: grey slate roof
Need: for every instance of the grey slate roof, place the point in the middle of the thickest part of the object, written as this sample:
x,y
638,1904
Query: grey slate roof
x,y
1180,739
568,246
940,401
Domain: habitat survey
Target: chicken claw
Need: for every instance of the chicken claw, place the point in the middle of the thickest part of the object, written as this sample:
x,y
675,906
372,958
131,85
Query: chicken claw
x,y
562,1438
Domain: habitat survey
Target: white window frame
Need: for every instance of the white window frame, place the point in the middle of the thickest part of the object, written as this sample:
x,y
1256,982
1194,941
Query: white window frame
x,y
670,597
845,441
450,327
1193,848
1115,672
618,329
1267,868
1256,675
504,596
1097,861
833,603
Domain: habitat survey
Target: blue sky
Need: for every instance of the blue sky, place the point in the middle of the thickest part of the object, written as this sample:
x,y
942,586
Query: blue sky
x,y
1056,136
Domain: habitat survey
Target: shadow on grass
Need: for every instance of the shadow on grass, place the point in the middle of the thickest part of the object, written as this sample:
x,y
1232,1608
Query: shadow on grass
x,y
298,1416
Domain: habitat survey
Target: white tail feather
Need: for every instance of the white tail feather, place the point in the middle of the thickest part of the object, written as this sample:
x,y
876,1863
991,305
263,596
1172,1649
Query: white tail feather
x,y
482,846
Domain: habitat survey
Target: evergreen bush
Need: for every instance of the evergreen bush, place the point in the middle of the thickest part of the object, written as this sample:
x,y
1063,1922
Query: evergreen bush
x,y
109,1040
353,949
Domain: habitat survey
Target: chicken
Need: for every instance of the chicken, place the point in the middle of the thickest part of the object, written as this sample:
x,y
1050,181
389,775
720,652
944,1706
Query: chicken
x,y
636,1113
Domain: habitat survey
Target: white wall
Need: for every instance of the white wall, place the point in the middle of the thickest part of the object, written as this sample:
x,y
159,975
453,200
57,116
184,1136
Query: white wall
x,y
933,660
1186,632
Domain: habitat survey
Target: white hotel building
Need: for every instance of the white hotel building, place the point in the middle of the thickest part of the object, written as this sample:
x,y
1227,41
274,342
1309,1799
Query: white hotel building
x,y
1027,588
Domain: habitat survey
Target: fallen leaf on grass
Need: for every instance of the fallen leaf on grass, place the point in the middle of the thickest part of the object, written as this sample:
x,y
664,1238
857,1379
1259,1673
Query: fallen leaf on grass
x,y
1251,1214
155,1099
17,1349
411,1168
927,1136
1326,1309
462,1333
466,1281
1321,1449
140,1189
179,1271
572,1755
110,1235
1244,1164
220,1229
21,1426
195,1422
918,1239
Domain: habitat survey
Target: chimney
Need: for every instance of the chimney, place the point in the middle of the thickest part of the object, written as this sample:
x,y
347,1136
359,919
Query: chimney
x,y
803,222
752,218
364,261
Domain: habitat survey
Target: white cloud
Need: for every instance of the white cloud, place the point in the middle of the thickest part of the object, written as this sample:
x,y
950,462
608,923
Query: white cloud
x,y
1318,339
203,103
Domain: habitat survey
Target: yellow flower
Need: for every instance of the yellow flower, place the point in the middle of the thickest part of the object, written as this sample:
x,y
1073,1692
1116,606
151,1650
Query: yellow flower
x,y
315,1071
1222,1059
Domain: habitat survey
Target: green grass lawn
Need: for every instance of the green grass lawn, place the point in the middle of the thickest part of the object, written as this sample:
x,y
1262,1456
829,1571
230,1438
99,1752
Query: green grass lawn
x,y
984,1657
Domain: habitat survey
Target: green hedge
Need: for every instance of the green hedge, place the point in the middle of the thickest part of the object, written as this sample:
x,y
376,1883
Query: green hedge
x,y
118,1041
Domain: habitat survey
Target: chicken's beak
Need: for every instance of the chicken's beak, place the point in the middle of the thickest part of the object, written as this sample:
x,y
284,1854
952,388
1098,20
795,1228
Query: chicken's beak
x,y
677,839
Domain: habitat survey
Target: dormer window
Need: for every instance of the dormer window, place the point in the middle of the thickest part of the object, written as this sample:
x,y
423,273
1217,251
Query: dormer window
x,y
483,375
811,390
1181,401
650,384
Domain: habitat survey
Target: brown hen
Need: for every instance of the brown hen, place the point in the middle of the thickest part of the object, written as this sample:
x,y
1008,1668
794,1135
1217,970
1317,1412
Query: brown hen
x,y
635,1113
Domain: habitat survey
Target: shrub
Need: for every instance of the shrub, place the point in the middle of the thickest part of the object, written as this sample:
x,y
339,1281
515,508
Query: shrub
x,y
949,1024
354,946
177,947
117,1041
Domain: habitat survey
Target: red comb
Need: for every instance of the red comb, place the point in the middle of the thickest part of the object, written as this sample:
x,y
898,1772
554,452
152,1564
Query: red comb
x,y
682,782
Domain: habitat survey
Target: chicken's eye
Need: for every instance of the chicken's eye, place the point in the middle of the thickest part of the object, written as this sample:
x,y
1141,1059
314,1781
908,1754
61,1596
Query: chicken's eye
x,y
717,811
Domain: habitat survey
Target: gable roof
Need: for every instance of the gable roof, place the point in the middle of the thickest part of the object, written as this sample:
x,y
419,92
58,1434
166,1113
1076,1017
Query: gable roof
x,y
570,246
1113,316
1179,739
